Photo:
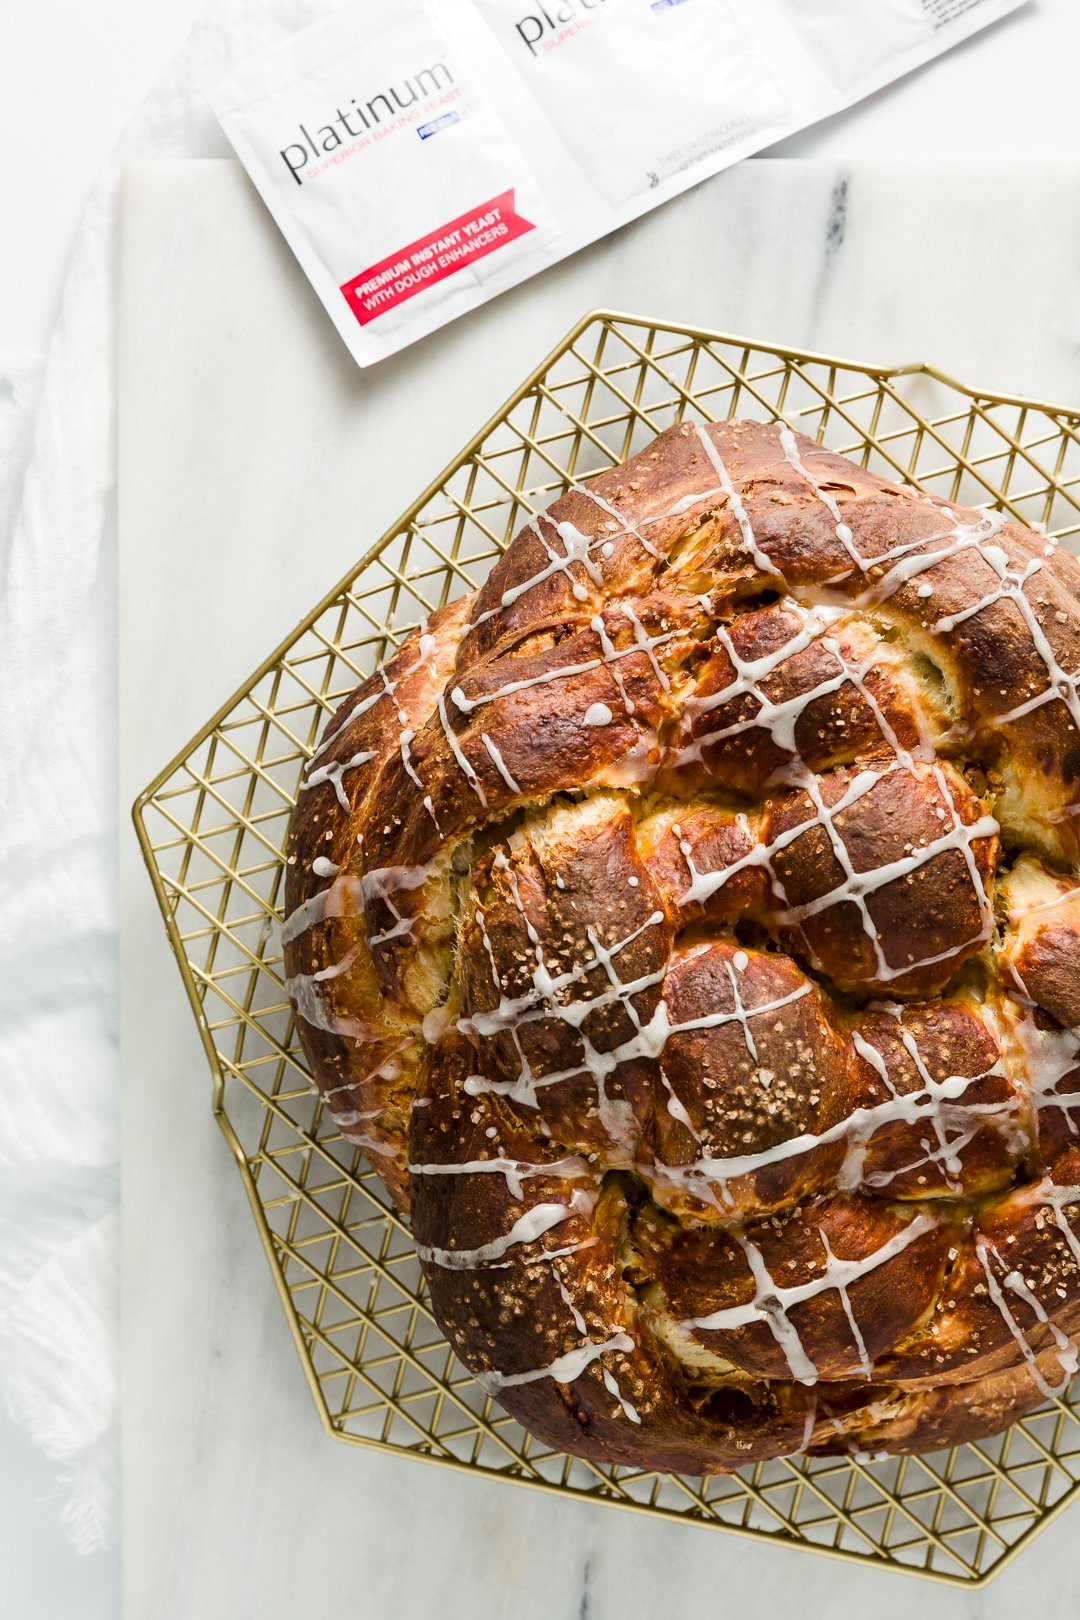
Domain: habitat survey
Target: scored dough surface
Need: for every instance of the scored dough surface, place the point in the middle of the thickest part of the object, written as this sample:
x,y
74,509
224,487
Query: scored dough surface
x,y
685,925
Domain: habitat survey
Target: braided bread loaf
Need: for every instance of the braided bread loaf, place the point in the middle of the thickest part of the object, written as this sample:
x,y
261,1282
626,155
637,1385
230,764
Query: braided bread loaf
x,y
684,926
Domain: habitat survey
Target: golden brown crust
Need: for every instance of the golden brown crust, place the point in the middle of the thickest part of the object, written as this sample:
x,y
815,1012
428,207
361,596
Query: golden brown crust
x,y
686,924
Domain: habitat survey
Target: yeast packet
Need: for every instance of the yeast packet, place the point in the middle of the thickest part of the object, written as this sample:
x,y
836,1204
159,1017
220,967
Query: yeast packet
x,y
401,191
422,156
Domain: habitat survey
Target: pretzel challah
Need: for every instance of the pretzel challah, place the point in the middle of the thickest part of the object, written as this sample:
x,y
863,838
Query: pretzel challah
x,y
685,926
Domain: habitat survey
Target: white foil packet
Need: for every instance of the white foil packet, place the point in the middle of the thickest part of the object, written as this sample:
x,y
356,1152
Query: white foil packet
x,y
421,156
640,91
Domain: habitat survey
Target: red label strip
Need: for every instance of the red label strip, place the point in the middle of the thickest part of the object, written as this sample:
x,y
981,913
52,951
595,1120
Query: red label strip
x,y
434,257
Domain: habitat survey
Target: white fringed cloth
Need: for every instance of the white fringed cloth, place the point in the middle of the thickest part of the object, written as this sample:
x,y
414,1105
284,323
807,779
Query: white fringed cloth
x,y
59,816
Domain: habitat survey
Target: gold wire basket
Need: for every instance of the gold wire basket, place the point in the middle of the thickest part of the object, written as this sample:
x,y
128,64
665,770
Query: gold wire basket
x,y
212,826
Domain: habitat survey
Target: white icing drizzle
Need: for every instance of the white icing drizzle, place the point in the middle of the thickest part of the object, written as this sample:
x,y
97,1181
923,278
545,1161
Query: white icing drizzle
x,y
612,1388
1061,685
545,999
986,1252
455,748
564,1369
610,655
514,1170
361,706
341,899
624,526
646,644
1059,1198
598,714
843,533
1050,1055
772,1301
528,1228
939,1103
302,990
350,1116
577,548
779,719
610,1383
499,763
382,882
907,561
735,501
856,1128
611,658
857,888
334,773
369,1144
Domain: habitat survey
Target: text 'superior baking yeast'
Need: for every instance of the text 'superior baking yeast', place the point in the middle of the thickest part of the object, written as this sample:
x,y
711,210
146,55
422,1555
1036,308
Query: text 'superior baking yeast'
x,y
420,158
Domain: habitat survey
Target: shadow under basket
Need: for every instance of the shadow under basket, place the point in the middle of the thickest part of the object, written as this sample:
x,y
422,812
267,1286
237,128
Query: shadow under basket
x,y
212,826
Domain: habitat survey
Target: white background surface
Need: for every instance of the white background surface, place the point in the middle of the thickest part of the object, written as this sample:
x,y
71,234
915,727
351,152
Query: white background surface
x,y
69,76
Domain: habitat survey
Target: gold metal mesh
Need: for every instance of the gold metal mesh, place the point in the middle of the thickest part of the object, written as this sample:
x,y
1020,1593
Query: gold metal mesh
x,y
212,827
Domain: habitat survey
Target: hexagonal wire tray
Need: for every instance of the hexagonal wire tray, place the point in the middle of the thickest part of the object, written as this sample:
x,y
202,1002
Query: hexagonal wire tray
x,y
213,822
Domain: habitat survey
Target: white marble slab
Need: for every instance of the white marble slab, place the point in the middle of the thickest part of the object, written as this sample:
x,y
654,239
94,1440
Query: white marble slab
x,y
254,455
